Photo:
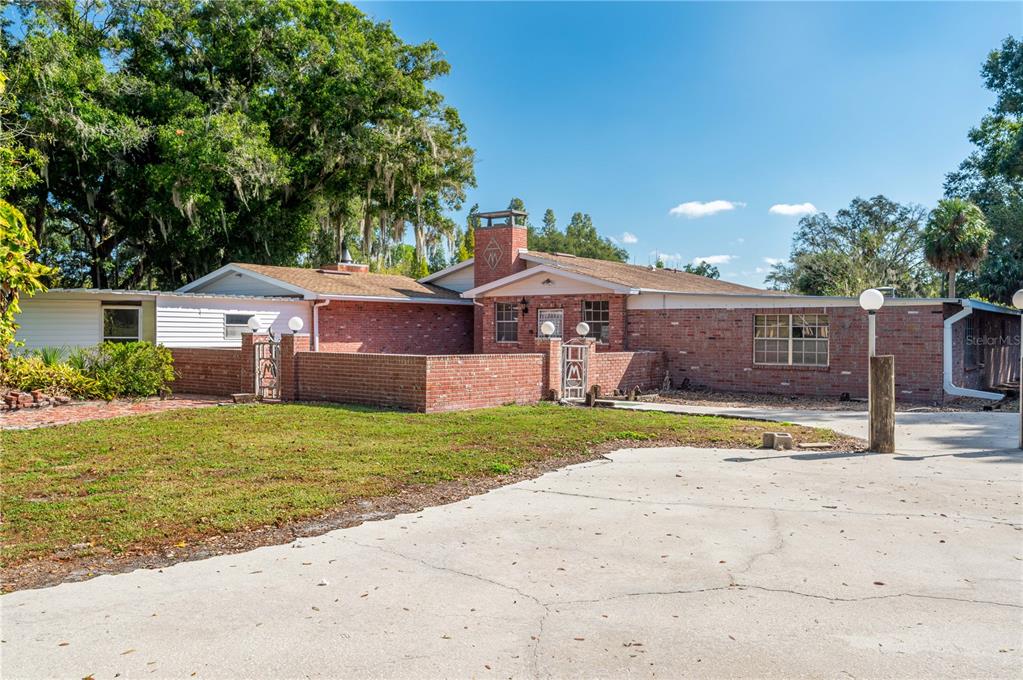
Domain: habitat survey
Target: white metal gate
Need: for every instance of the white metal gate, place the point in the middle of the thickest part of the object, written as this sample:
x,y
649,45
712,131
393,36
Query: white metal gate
x,y
573,370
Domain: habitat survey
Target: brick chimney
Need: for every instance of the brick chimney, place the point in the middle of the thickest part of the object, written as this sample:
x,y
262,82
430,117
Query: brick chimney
x,y
346,265
498,245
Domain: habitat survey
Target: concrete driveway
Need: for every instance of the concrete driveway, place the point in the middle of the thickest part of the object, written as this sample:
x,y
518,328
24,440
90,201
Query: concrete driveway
x,y
655,562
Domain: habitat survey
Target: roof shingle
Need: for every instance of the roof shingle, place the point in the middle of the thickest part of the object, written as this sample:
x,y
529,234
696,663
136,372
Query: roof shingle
x,y
640,277
360,284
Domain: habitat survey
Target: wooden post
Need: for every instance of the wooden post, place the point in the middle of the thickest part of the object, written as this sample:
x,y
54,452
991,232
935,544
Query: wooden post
x,y
882,404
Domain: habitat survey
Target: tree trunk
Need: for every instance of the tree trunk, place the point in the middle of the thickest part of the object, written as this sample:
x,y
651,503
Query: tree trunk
x,y
952,283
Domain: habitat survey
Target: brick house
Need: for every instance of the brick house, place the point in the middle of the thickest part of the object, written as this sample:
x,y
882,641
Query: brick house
x,y
470,335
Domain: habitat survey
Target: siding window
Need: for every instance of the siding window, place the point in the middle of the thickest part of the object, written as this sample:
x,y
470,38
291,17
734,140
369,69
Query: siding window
x,y
236,324
790,339
597,314
555,316
506,321
122,324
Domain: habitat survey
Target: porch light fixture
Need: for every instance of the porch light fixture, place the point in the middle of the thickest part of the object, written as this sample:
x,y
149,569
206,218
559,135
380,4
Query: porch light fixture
x,y
524,303
295,324
582,329
253,324
547,329
1017,302
871,300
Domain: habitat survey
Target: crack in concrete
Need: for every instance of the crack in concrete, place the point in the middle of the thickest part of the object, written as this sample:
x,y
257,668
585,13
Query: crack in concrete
x,y
773,550
725,506
788,591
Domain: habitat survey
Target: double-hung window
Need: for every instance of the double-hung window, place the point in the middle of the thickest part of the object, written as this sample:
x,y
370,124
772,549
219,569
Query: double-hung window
x,y
236,324
597,315
122,323
790,339
506,322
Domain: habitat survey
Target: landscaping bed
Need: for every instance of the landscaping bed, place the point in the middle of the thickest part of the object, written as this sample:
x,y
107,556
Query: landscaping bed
x,y
103,496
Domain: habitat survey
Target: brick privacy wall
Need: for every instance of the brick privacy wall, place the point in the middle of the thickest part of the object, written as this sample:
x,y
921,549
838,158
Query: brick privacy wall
x,y
625,370
997,355
395,328
207,371
508,241
485,330
391,380
470,381
714,348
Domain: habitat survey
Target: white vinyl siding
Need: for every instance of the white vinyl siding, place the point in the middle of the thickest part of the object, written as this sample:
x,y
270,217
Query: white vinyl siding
x,y
184,322
238,283
458,281
59,323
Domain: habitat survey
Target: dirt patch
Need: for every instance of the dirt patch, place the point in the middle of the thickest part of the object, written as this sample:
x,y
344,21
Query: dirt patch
x,y
82,562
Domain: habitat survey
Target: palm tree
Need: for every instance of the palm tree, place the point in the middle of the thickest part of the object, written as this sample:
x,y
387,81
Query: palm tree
x,y
955,238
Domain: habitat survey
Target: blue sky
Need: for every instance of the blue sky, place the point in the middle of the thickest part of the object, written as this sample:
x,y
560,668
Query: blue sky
x,y
627,110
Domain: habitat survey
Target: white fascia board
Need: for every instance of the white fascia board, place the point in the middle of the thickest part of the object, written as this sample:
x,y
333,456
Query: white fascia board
x,y
987,306
448,270
378,298
549,269
230,268
754,299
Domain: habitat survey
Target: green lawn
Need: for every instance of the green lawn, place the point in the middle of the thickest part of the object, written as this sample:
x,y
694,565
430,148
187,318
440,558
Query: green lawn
x,y
131,484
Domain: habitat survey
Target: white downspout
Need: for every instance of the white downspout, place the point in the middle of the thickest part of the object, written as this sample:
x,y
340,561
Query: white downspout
x,y
950,388
316,323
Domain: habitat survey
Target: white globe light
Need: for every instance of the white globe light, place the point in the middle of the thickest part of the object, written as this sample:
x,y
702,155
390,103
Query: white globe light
x,y
253,324
871,299
1017,299
295,324
582,329
547,328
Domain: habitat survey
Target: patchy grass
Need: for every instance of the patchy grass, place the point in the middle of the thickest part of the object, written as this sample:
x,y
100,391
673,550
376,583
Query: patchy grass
x,y
140,483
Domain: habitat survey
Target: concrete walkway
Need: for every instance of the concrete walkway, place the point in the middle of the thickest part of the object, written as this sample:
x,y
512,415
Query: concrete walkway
x,y
654,563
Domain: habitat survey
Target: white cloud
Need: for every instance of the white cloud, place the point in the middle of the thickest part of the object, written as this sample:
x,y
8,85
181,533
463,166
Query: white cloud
x,y
773,260
792,209
629,237
714,259
669,259
694,209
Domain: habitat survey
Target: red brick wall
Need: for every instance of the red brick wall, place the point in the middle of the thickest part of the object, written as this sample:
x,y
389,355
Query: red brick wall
x,y
625,370
392,380
481,380
208,371
395,328
418,382
714,348
484,332
507,241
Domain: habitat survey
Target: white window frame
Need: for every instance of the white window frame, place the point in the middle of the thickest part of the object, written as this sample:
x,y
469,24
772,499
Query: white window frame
x,y
244,327
103,326
497,322
789,340
560,323
607,324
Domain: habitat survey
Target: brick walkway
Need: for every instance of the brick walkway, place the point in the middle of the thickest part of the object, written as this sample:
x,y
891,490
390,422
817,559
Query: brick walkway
x,y
75,412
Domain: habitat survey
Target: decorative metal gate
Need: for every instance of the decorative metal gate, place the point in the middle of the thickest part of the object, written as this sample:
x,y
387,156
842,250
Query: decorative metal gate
x,y
573,370
268,365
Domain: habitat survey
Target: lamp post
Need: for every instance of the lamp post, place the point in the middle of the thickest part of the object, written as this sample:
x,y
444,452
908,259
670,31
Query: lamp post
x,y
880,381
871,300
1017,301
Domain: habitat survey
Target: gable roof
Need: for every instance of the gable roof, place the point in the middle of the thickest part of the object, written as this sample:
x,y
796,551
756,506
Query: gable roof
x,y
313,283
642,278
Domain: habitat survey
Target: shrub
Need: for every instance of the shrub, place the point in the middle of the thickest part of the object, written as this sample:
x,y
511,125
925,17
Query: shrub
x,y
51,356
127,369
33,373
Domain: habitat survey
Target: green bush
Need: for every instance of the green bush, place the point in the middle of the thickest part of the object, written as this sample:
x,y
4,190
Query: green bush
x,y
110,370
128,369
33,373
